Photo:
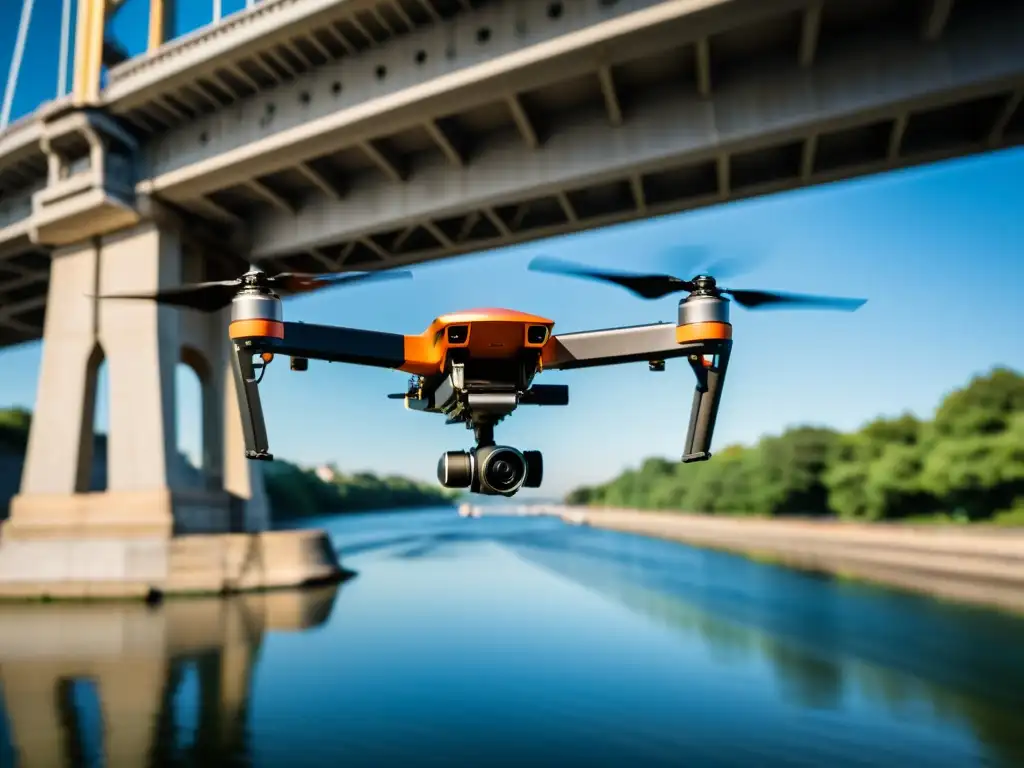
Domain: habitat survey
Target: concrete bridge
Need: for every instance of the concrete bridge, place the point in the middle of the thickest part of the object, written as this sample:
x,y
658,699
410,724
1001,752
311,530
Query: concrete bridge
x,y
324,135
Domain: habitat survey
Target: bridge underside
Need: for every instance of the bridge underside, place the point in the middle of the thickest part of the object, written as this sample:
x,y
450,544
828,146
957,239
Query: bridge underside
x,y
356,143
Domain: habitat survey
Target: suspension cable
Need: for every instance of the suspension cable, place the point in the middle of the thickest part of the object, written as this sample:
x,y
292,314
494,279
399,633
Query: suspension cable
x,y
65,47
16,57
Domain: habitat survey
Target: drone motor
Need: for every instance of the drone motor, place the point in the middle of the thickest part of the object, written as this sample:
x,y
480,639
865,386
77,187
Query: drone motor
x,y
704,305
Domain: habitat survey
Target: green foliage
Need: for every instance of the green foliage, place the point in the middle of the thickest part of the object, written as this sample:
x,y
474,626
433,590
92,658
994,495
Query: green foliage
x,y
293,492
14,424
966,464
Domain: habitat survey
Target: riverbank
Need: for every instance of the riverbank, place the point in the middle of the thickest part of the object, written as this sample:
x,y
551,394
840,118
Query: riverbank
x,y
982,566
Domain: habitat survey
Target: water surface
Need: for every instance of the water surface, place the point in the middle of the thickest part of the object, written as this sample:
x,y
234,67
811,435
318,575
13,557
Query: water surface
x,y
518,641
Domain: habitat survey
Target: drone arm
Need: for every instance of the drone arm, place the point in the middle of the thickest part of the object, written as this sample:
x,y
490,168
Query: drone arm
x,y
337,344
614,346
707,345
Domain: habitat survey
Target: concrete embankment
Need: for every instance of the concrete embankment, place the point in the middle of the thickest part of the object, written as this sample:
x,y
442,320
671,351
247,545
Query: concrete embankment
x,y
983,566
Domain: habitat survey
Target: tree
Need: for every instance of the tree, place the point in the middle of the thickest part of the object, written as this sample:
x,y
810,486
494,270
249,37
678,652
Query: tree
x,y
968,461
791,471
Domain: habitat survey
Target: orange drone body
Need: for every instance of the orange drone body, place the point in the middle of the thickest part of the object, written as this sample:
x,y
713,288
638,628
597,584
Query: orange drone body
x,y
477,366
482,333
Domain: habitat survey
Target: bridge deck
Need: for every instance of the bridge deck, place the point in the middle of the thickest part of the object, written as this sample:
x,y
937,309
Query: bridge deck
x,y
361,134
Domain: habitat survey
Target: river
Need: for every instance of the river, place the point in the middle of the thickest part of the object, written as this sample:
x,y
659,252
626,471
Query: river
x,y
511,642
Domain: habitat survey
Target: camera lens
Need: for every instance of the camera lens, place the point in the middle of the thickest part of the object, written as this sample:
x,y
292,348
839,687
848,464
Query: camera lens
x,y
505,470
536,334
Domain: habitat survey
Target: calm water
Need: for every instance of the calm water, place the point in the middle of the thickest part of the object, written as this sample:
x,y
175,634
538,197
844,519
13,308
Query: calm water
x,y
504,641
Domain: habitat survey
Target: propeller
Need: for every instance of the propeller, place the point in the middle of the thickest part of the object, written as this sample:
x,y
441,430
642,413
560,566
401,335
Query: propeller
x,y
215,296
656,286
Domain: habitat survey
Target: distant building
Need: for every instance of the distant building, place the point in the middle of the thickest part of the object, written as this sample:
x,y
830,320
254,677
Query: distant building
x,y
326,472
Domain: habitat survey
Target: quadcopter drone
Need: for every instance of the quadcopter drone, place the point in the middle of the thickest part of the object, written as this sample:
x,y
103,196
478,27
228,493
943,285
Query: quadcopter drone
x,y
476,367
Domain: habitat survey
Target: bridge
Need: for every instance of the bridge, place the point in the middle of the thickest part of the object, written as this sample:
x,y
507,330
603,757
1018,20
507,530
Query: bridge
x,y
332,135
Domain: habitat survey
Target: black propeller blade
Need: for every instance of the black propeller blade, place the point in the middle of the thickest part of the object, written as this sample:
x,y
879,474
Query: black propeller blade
x,y
398,395
768,299
215,296
699,260
644,286
654,286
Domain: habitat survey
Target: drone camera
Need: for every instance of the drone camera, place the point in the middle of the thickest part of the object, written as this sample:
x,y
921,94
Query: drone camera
x,y
656,366
494,470
299,364
458,334
455,469
501,470
536,334
534,469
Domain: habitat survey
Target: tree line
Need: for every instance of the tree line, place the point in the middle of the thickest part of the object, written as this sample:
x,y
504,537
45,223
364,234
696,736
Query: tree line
x,y
965,464
293,492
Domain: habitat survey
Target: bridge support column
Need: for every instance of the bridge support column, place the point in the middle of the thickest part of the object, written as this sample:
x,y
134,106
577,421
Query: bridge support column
x,y
67,534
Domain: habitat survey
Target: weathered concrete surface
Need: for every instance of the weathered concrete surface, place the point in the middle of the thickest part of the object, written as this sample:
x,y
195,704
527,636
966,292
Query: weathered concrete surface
x,y
980,566
125,566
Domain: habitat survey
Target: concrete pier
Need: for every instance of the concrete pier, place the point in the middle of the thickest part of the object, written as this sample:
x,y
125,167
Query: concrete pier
x,y
152,529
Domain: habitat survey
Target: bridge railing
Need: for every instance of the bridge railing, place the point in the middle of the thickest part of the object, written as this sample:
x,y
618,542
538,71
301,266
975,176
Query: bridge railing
x,y
39,38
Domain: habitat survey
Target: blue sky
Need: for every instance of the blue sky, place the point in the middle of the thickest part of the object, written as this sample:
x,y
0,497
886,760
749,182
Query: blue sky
x,y
936,250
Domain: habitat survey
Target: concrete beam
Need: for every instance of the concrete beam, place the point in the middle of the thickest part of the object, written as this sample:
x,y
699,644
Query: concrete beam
x,y
702,52
679,130
270,196
810,28
389,165
936,18
21,140
508,237
1010,107
611,96
241,143
522,121
444,142
328,186
241,34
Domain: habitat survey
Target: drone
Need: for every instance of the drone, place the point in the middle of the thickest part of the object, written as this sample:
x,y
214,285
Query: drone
x,y
476,367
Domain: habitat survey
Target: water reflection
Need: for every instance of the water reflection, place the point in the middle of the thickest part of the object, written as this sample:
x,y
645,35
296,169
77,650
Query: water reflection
x,y
517,642
836,652
827,657
131,685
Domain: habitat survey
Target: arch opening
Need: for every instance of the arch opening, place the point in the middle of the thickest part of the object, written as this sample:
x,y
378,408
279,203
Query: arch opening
x,y
196,415
92,456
